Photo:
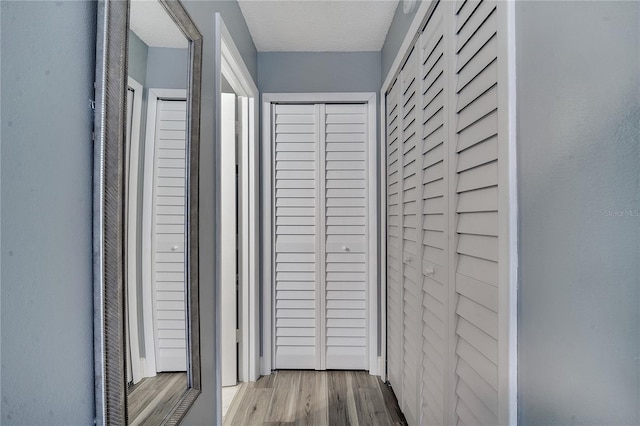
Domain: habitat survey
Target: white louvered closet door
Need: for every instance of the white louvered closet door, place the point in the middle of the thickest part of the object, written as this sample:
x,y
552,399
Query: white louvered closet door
x,y
394,242
476,206
411,236
455,267
296,135
321,238
346,254
434,219
169,237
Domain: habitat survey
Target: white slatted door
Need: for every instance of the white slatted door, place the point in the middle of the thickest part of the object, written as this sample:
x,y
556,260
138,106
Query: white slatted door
x,y
345,222
296,136
394,242
476,167
168,236
462,379
321,239
411,202
434,190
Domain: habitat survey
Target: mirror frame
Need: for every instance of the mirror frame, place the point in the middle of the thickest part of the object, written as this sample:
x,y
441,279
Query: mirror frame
x,y
108,211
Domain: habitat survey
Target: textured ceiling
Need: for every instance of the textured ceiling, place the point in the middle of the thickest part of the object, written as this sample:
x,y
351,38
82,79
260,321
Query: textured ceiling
x,y
318,26
154,26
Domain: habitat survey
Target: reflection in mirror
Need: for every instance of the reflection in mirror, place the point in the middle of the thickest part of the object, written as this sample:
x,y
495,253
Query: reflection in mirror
x,y
155,214
146,312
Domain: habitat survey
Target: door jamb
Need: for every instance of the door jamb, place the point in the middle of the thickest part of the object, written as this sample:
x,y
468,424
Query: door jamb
x,y
369,98
137,364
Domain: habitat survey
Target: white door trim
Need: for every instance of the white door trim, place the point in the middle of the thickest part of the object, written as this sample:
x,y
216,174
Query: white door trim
x,y
137,364
370,99
233,68
153,96
508,216
228,215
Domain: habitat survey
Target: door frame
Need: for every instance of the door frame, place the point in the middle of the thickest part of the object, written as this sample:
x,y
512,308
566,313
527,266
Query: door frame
x,y
373,294
137,362
229,63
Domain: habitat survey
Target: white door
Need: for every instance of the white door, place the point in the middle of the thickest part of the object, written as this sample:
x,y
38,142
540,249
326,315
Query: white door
x,y
321,245
168,237
448,335
296,236
228,217
345,224
411,238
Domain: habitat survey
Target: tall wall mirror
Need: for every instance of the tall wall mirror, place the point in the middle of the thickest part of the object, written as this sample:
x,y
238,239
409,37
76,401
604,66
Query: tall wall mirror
x,y
146,212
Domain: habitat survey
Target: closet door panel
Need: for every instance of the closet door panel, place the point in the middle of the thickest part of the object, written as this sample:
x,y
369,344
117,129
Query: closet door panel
x,y
412,239
168,238
476,169
346,237
435,183
296,144
394,244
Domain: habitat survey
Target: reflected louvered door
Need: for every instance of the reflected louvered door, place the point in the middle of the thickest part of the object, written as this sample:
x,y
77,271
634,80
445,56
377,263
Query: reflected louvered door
x,y
296,134
434,190
394,242
411,236
345,223
476,194
168,237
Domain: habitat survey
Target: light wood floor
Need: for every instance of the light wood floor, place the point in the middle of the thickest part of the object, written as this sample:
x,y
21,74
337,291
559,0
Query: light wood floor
x,y
150,400
290,397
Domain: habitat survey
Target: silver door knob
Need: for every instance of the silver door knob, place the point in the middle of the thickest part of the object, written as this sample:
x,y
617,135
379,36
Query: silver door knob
x,y
429,271
345,248
174,248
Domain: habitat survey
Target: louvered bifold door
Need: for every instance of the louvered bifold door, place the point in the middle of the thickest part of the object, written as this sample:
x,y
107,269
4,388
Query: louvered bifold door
x,y
394,242
345,169
296,133
434,190
476,206
168,236
461,378
411,237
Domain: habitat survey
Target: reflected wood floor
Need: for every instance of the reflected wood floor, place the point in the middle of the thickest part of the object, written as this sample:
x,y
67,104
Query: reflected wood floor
x,y
150,400
293,397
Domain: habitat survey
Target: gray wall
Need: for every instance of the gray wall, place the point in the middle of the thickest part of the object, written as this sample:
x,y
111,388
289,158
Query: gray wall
x,y
319,72
137,63
204,409
167,68
48,56
578,108
397,31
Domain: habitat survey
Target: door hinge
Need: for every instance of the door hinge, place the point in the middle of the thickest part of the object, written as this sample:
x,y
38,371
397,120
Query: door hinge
x,y
238,335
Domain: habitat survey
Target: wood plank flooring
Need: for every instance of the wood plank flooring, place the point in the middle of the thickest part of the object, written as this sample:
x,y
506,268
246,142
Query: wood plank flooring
x,y
149,401
294,397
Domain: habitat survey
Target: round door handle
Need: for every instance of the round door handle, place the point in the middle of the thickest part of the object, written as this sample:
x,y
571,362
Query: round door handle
x,y
429,271
345,248
174,248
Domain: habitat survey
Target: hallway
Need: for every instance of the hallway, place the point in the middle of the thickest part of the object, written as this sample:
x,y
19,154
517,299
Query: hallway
x,y
294,397
478,259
